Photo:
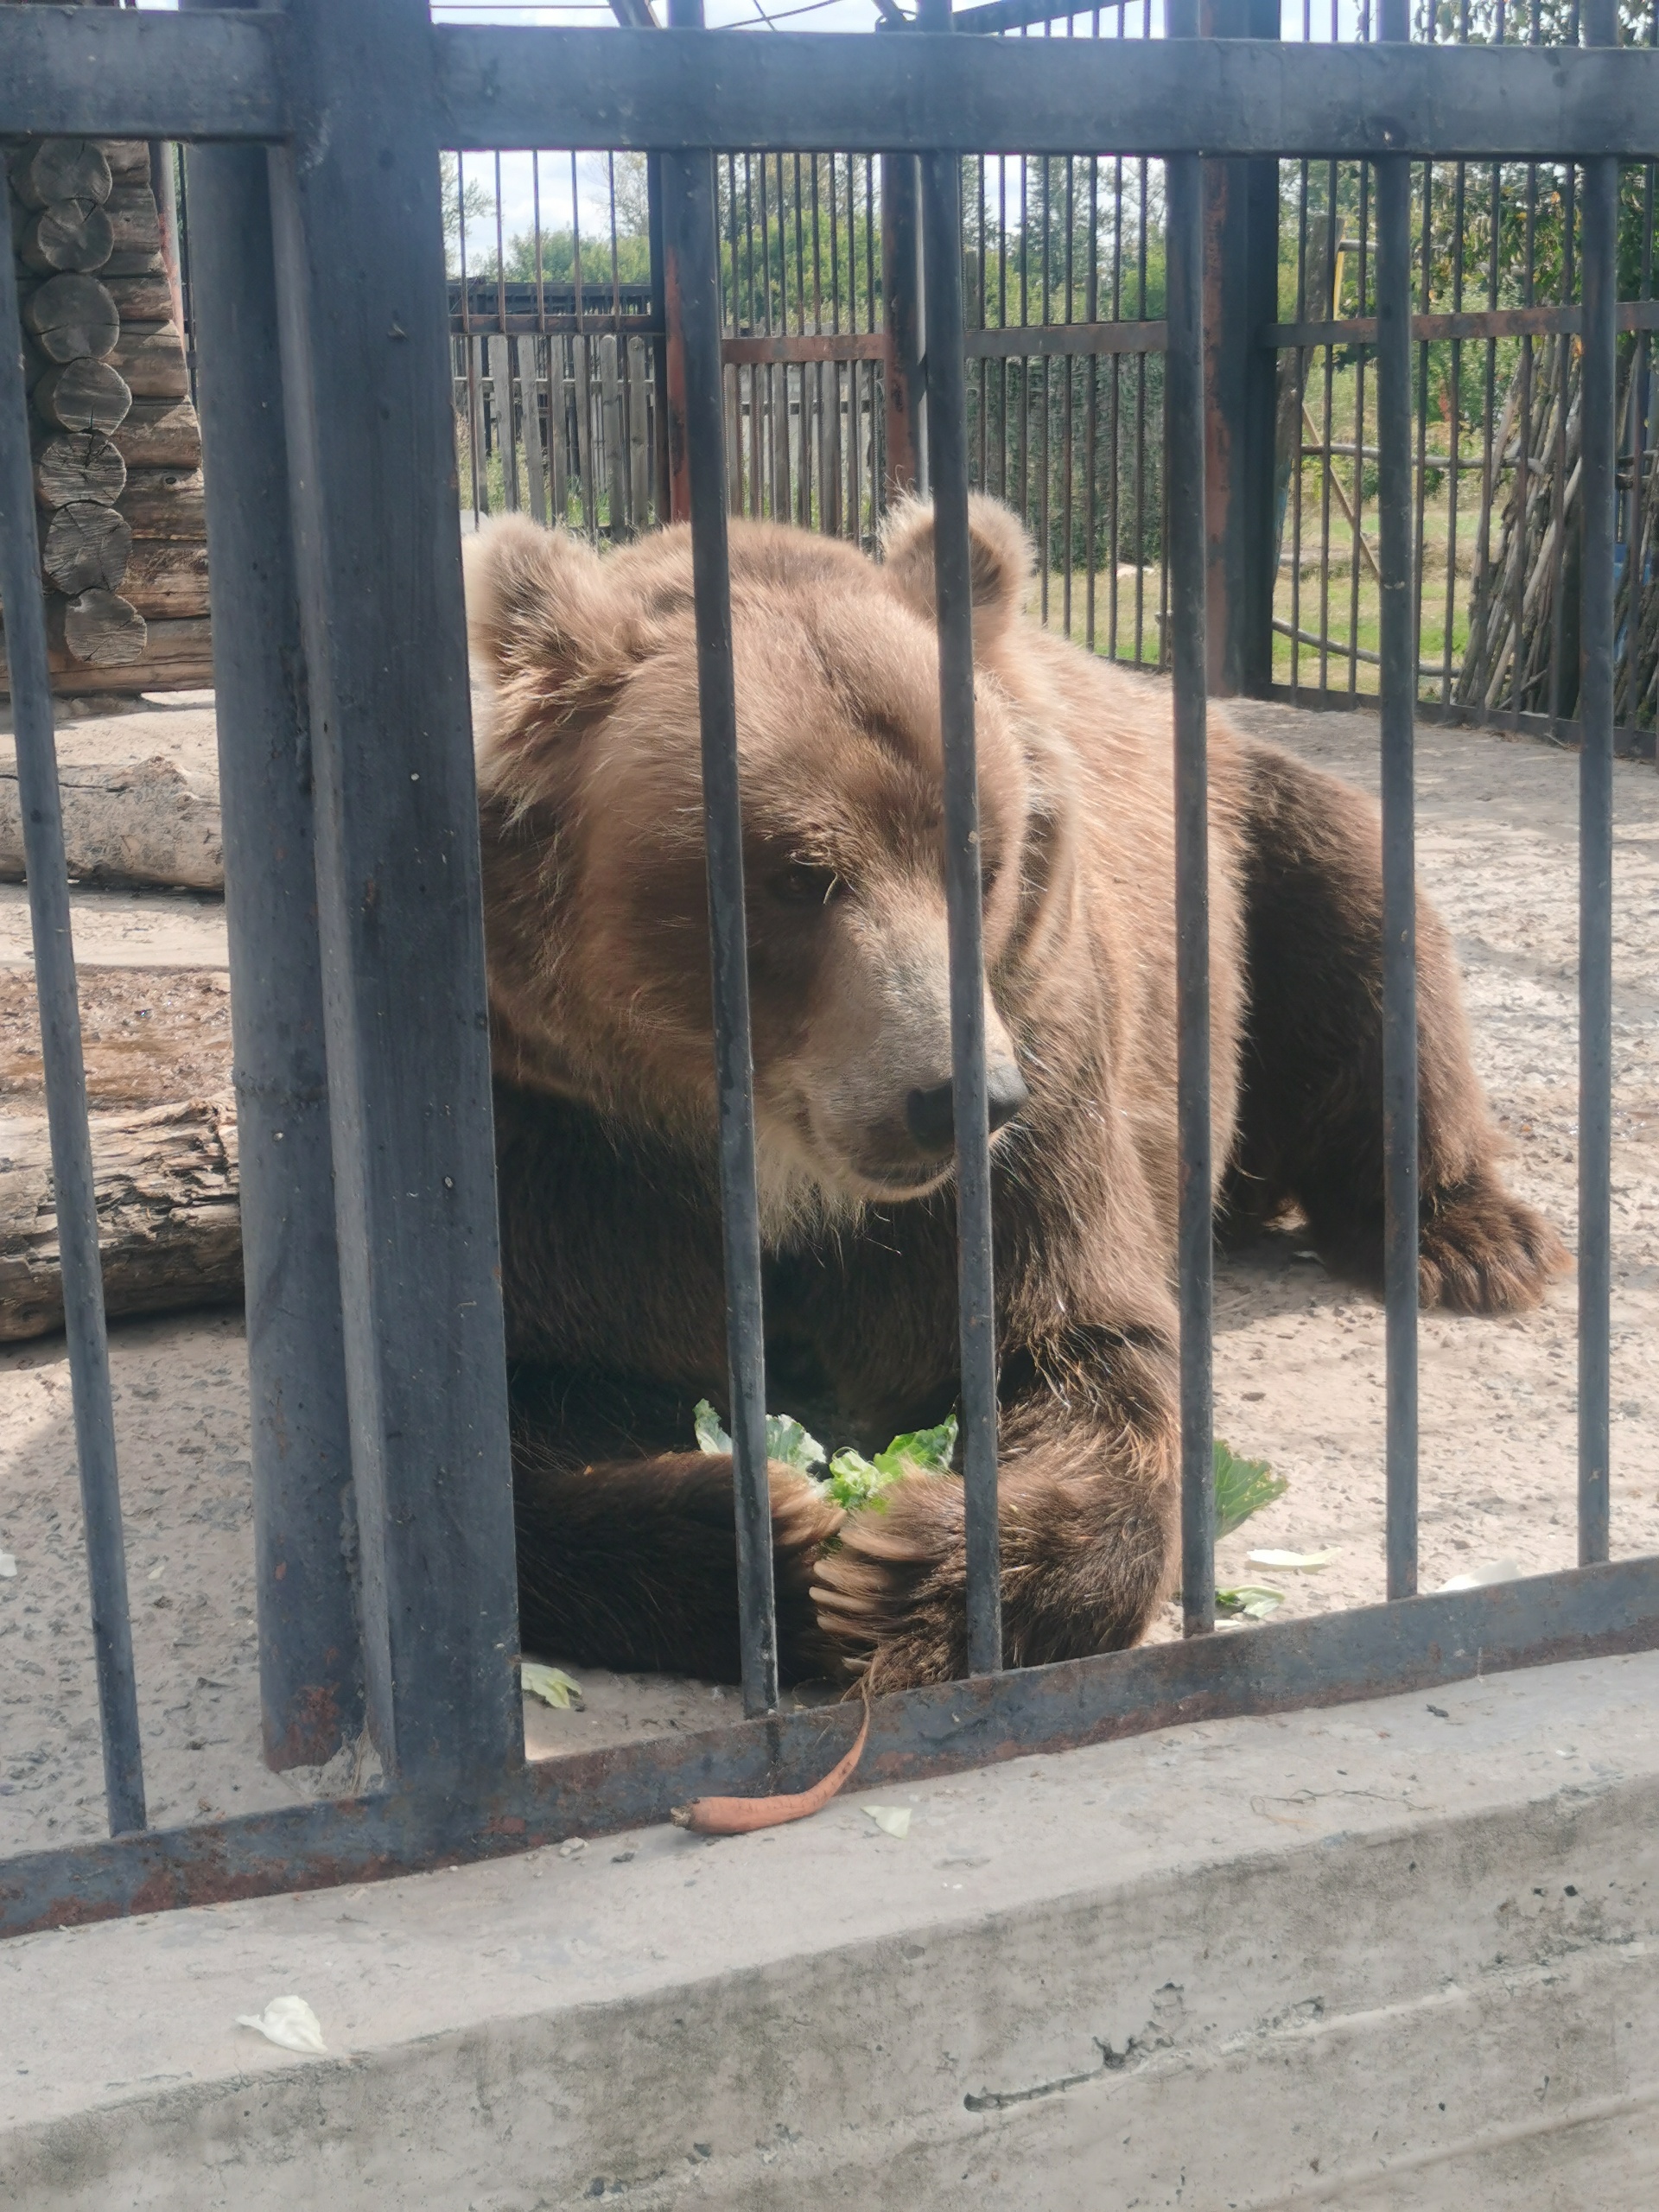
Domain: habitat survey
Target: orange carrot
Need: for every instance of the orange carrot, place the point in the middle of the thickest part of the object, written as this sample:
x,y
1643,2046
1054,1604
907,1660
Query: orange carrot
x,y
741,1815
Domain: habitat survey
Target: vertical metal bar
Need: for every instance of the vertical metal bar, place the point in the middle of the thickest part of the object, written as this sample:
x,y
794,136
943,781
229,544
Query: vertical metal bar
x,y
66,1080
693,271
947,425
1397,646
1184,472
901,282
1240,220
304,1514
1600,281
369,441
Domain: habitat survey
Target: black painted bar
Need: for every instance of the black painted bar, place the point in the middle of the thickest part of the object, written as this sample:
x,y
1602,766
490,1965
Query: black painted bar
x,y
304,1514
114,73
1600,283
371,444
1397,647
500,86
1184,433
947,462
86,72
21,593
691,248
1281,1666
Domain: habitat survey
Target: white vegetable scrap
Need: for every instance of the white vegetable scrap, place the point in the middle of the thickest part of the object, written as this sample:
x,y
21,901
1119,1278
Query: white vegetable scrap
x,y
289,2022
552,1684
1503,1570
892,1819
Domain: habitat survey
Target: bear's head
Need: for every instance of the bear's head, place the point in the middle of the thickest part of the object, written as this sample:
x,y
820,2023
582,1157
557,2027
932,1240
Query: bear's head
x,y
591,808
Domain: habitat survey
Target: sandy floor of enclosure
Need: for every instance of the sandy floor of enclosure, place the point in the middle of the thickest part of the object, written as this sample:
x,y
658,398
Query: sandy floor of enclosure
x,y
1299,1360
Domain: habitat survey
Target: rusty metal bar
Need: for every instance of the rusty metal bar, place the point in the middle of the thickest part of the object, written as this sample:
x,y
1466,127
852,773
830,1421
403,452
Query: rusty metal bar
x,y
26,676
947,431
1599,496
1185,474
1281,1666
1398,643
692,256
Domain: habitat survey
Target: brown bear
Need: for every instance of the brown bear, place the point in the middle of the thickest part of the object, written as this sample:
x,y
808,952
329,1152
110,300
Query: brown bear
x,y
595,891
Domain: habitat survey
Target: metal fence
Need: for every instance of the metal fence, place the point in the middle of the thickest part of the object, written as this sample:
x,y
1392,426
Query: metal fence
x,y
375,1329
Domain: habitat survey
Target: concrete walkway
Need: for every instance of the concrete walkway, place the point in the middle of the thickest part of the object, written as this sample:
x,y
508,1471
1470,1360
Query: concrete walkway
x,y
1398,1955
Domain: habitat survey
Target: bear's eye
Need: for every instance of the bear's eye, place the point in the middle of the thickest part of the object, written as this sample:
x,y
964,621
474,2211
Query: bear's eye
x,y
804,883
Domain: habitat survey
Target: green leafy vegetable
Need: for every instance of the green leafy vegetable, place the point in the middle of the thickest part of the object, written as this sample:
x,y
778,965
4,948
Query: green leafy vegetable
x,y
849,1478
1243,1487
785,1439
931,1449
1254,1602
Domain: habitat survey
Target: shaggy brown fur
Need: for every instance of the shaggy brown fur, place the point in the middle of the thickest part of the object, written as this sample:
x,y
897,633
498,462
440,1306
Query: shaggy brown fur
x,y
599,968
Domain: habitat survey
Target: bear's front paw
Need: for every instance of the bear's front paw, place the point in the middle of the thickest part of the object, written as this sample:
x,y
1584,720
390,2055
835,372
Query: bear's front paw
x,y
890,1595
1481,1251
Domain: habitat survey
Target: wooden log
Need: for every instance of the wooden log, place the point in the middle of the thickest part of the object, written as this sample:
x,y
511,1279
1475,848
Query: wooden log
x,y
79,465
137,822
167,577
136,233
83,395
637,388
87,546
151,356
71,234
165,503
616,453
161,434
142,299
60,169
169,1224
72,316
178,657
99,629
128,160
530,390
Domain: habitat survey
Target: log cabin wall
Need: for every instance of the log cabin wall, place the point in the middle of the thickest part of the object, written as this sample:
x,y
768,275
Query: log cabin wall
x,y
117,468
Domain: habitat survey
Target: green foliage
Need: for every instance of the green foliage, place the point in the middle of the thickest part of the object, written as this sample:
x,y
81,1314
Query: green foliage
x,y
1243,1487
849,1478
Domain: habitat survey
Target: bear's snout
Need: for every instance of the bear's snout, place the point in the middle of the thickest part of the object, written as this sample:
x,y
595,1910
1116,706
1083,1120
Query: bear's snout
x,y
930,1117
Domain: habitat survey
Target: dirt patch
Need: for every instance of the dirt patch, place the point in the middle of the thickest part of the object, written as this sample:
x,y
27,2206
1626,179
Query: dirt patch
x,y
1299,1359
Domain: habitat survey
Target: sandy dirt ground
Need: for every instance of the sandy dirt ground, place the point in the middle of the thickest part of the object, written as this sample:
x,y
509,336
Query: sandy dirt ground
x,y
1299,1359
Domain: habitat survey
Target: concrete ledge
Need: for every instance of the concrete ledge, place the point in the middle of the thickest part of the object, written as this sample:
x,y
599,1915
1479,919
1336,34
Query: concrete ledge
x,y
1402,1955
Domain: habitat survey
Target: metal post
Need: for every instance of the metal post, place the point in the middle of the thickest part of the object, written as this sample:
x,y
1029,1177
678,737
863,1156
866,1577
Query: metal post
x,y
1183,421
371,447
66,1079
304,1516
901,284
1398,652
1601,218
692,258
1241,297
947,440
671,504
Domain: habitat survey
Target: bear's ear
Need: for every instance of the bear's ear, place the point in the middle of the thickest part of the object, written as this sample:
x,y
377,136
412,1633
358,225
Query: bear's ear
x,y
541,611
1000,561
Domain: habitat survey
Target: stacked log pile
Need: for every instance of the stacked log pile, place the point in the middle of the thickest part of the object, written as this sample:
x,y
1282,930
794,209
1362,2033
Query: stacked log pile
x,y
117,450
1522,650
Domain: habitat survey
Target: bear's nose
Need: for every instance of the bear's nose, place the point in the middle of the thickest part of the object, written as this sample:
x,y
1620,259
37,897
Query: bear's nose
x,y
930,1115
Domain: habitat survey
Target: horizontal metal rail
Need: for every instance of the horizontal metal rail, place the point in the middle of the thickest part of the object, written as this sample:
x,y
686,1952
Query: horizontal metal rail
x,y
64,71
1416,1644
1491,322
503,87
